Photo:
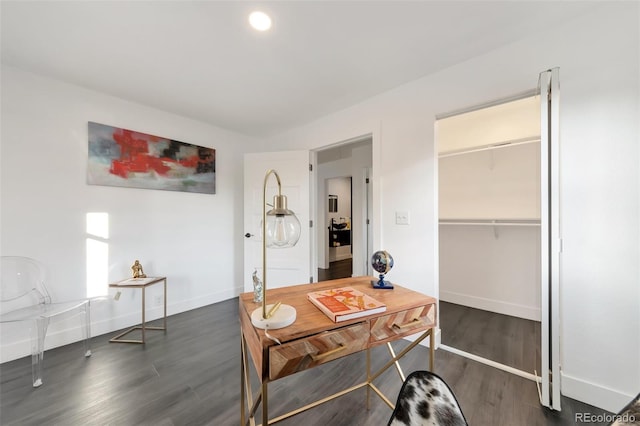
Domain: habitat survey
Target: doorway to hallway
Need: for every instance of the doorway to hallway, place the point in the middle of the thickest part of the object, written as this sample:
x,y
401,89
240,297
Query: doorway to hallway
x,y
343,209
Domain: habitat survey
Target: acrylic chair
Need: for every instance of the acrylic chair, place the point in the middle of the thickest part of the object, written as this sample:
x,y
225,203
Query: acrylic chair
x,y
24,298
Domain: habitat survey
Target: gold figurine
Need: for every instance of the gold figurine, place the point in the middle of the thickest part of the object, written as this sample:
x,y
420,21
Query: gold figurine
x,y
137,270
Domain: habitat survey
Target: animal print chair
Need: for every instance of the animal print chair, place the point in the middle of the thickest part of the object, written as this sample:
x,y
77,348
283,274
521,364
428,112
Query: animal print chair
x,y
426,400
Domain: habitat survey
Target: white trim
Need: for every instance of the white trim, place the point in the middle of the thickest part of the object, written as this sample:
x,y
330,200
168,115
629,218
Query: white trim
x,y
506,144
313,216
545,398
594,394
492,305
550,237
491,363
366,215
555,234
490,222
516,97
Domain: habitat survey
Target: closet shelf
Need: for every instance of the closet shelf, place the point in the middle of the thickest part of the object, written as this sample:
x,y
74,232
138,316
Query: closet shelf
x,y
505,144
491,222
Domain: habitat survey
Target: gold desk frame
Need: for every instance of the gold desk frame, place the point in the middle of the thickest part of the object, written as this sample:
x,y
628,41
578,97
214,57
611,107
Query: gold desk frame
x,y
249,404
246,392
143,326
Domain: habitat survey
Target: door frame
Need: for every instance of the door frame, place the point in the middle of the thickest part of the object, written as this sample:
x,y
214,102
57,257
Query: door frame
x,y
549,233
374,214
550,236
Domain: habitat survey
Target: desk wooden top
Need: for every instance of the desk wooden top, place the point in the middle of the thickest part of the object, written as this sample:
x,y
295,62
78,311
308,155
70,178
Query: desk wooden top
x,y
310,320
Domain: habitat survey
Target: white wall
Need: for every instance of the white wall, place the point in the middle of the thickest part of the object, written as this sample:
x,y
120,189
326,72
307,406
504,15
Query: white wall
x,y
492,268
490,125
598,56
499,184
193,239
495,268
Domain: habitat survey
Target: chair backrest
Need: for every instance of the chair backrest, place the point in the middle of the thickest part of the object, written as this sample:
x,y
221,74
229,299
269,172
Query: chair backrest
x,y
425,399
22,283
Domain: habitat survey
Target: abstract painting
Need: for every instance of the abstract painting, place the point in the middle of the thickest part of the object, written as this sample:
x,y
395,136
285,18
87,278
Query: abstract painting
x,y
121,157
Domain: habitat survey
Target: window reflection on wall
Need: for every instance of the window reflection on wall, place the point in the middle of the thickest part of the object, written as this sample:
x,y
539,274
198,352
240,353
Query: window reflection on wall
x,y
97,254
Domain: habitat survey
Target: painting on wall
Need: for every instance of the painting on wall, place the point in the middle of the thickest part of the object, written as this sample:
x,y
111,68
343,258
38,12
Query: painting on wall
x,y
121,157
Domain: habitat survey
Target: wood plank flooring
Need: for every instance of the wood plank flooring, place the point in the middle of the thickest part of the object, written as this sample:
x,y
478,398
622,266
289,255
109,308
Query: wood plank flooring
x,y
502,338
338,269
191,376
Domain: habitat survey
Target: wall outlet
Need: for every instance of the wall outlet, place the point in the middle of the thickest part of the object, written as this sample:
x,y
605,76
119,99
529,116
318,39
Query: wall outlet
x,y
402,218
158,300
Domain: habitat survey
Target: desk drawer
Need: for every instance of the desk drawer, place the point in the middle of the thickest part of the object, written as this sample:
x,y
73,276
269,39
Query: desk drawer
x,y
305,353
402,323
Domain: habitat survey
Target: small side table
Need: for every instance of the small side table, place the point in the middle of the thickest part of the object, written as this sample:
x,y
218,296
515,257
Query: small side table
x,y
141,283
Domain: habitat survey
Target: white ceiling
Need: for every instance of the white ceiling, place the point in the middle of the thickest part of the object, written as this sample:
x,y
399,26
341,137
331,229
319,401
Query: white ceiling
x,y
201,59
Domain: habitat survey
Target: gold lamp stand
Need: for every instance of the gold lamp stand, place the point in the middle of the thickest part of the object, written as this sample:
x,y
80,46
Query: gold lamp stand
x,y
280,229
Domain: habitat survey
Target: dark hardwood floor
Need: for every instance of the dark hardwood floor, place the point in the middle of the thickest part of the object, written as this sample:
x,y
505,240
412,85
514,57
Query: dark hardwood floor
x,y
502,338
191,376
337,269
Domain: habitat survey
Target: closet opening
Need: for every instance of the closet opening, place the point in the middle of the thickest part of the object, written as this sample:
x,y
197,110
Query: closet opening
x,y
489,233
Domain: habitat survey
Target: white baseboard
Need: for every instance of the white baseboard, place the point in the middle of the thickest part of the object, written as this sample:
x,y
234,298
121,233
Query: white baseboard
x,y
491,363
343,256
492,305
56,338
597,395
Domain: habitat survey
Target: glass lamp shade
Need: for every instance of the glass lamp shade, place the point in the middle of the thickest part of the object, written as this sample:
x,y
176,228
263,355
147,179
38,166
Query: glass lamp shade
x,y
283,230
283,227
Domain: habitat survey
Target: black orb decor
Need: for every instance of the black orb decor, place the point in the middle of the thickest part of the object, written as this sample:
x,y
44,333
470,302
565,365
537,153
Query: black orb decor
x,y
382,262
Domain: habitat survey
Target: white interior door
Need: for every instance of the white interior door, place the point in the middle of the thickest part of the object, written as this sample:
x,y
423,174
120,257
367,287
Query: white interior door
x,y
550,239
287,266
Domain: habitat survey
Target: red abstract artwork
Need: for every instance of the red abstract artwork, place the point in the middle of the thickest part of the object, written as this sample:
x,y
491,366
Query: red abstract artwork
x,y
121,157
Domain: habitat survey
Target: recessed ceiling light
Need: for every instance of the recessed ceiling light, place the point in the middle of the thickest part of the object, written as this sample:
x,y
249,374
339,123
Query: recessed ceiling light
x,y
260,21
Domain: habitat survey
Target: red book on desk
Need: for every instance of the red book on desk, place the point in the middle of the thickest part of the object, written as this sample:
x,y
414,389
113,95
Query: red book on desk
x,y
345,303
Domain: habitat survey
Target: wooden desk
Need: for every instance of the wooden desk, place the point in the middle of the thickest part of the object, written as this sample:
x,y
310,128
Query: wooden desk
x,y
141,283
314,339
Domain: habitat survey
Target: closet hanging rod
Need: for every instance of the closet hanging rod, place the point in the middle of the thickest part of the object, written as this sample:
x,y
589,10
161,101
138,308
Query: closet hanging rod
x,y
489,222
499,145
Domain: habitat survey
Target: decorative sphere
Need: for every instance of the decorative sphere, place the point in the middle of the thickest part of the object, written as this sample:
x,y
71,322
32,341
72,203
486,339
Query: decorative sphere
x,y
382,261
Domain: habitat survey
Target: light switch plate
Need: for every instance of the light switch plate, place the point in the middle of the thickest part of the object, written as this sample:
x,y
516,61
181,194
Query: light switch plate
x,y
402,218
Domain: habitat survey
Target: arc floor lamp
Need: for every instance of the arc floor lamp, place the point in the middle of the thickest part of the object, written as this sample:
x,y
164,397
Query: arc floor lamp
x,y
280,229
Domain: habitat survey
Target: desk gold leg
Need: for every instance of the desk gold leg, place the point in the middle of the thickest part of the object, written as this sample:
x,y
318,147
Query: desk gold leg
x,y
165,306
398,367
242,374
143,319
368,376
265,405
432,348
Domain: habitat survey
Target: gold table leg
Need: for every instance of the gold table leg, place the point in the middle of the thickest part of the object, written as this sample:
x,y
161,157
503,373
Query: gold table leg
x,y
143,313
432,348
265,405
242,378
143,327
